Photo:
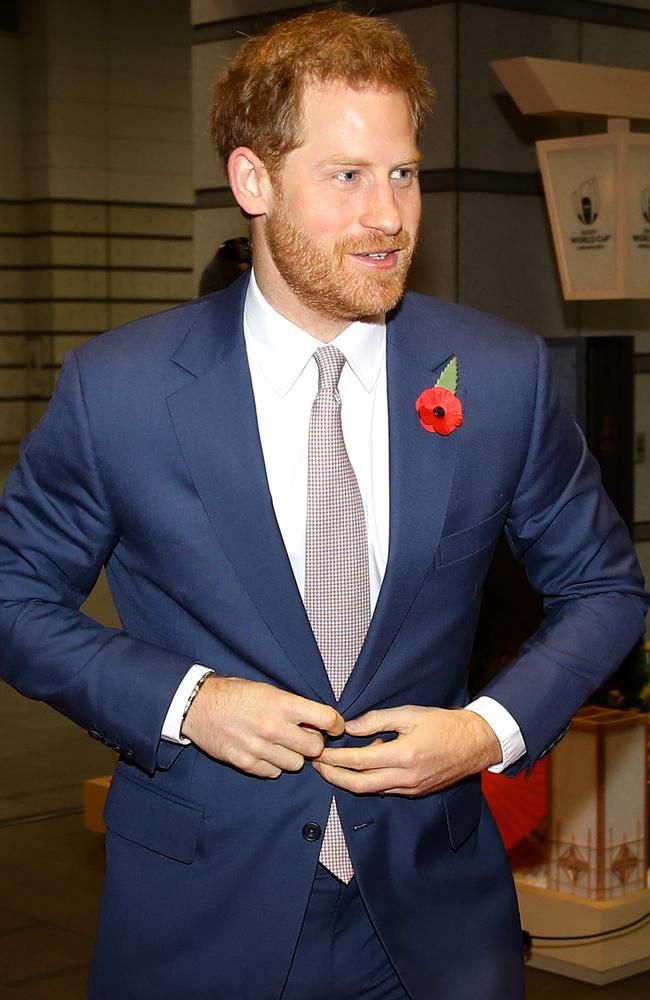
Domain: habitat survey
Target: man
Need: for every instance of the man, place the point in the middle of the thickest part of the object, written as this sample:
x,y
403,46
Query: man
x,y
272,506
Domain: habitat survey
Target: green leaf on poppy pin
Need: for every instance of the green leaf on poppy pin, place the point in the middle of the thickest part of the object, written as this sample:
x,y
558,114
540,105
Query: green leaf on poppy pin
x,y
448,378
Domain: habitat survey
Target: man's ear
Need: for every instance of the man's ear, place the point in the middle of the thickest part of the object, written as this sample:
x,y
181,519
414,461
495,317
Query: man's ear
x,y
249,181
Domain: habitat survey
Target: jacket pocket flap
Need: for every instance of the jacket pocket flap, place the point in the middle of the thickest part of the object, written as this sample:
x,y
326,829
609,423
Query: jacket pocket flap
x,y
153,819
463,810
464,543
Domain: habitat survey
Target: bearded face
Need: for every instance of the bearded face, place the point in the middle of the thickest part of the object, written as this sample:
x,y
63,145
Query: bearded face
x,y
346,279
335,223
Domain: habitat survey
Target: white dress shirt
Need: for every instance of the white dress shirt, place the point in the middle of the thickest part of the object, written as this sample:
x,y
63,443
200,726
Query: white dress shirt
x,y
285,380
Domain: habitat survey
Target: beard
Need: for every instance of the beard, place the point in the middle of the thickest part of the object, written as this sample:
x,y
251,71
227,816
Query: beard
x,y
324,279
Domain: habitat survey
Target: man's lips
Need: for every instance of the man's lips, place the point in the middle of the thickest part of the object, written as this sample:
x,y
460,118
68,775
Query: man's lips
x,y
378,258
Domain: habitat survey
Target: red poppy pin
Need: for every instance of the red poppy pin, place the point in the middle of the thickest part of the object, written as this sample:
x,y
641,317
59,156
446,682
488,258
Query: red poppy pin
x,y
439,409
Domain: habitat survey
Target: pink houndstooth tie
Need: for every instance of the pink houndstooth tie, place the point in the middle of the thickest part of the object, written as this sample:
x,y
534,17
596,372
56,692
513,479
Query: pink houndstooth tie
x,y
337,590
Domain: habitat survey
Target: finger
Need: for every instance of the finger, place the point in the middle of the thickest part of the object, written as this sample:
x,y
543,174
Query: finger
x,y
361,783
377,754
309,742
318,716
262,769
284,758
382,720
268,771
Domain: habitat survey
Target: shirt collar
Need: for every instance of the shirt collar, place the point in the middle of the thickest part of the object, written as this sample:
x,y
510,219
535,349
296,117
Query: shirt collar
x,y
282,349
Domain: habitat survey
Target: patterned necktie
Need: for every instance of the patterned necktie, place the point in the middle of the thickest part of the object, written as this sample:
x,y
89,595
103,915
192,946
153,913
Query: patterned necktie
x,y
337,589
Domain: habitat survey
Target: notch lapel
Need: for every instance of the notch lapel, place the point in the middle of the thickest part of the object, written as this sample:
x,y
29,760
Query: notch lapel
x,y
215,422
421,474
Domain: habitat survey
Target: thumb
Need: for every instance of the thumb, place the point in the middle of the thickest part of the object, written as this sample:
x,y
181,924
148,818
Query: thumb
x,y
385,720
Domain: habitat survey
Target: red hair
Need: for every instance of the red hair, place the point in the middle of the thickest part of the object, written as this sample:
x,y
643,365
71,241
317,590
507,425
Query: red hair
x,y
258,101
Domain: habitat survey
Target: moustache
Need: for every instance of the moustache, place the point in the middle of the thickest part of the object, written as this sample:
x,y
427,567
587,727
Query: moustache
x,y
373,244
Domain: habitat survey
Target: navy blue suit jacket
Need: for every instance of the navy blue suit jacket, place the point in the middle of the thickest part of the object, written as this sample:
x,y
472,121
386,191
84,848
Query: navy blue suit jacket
x,y
149,461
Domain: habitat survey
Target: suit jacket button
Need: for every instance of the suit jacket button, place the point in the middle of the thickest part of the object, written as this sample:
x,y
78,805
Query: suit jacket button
x,y
128,755
311,831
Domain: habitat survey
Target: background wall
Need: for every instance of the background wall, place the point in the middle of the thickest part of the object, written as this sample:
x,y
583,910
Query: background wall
x,y
485,237
95,181
104,106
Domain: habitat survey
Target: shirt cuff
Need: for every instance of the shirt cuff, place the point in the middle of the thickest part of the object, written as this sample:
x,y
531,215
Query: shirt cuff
x,y
171,730
505,729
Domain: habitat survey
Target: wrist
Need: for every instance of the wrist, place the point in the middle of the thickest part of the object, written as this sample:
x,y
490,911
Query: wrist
x,y
190,707
487,741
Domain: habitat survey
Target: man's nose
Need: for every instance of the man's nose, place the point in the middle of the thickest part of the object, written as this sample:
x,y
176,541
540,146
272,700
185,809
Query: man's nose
x,y
381,211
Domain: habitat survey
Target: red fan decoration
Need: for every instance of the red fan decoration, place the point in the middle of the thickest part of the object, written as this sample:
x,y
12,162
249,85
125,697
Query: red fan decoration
x,y
518,804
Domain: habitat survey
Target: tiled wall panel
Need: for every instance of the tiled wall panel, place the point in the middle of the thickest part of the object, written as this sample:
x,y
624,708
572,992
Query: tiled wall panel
x,y
432,31
68,250
67,182
12,420
10,122
124,312
211,227
434,267
65,83
12,317
156,91
153,286
11,250
13,382
126,20
506,263
207,62
149,123
106,105
493,134
79,117
12,350
155,220
606,318
221,10
12,284
150,253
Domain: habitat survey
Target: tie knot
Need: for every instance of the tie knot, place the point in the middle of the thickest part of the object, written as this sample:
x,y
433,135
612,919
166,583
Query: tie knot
x,y
330,363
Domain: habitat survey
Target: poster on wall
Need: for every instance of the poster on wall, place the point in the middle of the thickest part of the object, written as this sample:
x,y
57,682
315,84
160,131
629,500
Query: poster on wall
x,y
639,218
583,185
597,192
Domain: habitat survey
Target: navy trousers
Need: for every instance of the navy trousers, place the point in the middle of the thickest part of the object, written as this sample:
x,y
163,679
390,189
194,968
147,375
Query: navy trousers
x,y
338,955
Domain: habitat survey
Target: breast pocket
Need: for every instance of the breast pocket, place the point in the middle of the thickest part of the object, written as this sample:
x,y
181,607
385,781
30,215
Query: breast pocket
x,y
469,541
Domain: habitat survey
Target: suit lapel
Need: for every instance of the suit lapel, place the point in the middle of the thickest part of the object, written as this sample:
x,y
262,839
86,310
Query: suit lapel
x,y
216,425
421,472
215,422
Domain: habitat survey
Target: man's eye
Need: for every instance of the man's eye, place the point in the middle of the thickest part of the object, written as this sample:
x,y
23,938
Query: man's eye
x,y
346,175
403,174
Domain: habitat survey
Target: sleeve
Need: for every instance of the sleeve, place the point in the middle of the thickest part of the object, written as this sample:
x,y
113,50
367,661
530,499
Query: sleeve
x,y
171,730
57,529
504,728
578,554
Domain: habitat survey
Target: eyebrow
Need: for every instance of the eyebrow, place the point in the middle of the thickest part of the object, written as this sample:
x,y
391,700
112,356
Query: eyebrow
x,y
348,161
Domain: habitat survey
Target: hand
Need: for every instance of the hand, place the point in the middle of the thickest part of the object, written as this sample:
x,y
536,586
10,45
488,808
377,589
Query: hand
x,y
256,727
434,748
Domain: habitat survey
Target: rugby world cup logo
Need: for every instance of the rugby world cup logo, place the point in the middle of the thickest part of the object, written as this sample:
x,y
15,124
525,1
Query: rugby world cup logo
x,y
645,204
586,202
